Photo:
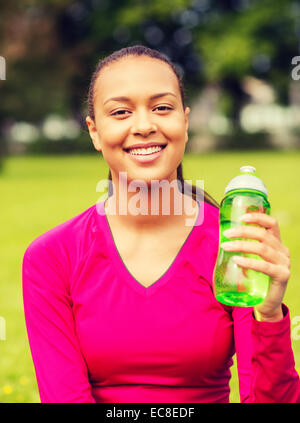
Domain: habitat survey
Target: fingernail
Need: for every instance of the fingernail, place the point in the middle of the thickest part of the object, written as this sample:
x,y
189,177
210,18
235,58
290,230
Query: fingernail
x,y
247,217
238,259
226,245
229,232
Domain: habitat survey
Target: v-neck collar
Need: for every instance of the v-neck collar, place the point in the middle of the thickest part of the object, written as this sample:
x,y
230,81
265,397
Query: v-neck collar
x,y
120,267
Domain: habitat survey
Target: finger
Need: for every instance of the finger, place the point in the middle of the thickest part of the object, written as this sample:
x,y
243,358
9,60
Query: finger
x,y
278,273
254,232
262,219
262,234
261,249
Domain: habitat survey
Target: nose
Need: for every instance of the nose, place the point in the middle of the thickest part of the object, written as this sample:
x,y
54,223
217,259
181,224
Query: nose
x,y
143,124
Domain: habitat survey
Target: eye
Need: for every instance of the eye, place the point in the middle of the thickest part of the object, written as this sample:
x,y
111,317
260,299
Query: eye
x,y
120,112
163,108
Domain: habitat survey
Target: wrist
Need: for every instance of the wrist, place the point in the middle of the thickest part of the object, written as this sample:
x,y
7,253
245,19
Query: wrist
x,y
275,316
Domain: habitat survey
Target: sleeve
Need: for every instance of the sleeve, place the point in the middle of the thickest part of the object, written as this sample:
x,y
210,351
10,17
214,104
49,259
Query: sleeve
x,y
61,371
265,359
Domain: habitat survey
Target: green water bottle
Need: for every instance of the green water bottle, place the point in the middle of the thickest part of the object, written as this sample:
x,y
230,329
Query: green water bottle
x,y
234,285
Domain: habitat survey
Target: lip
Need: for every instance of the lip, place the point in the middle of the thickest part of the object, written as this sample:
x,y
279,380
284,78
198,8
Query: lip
x,y
151,144
147,158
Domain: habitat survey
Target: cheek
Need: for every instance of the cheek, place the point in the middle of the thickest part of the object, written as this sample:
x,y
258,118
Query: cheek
x,y
112,135
175,130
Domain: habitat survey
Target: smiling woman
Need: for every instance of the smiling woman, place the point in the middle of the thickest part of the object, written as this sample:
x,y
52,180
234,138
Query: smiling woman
x,y
145,116
120,307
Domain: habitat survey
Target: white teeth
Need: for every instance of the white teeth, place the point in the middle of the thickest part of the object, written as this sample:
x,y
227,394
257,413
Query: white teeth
x,y
145,151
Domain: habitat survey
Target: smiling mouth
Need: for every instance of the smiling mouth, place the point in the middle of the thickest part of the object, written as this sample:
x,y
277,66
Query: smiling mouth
x,y
142,151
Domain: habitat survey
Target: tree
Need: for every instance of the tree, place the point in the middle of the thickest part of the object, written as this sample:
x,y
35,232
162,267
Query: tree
x,y
52,47
256,38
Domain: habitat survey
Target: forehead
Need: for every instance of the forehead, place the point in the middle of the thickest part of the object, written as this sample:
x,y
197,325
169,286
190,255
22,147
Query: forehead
x,y
135,75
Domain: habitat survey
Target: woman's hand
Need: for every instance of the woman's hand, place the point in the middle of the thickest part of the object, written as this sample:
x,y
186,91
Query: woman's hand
x,y
275,263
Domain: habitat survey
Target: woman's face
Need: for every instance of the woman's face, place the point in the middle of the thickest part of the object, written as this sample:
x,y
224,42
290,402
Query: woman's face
x,y
137,103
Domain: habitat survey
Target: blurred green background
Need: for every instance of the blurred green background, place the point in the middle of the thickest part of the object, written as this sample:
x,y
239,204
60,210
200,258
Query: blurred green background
x,y
236,60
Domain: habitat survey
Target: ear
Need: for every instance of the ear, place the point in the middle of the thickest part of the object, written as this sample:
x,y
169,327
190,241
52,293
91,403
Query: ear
x,y
93,133
186,118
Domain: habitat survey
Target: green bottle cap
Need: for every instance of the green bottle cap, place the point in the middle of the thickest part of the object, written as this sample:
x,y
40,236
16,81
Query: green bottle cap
x,y
246,180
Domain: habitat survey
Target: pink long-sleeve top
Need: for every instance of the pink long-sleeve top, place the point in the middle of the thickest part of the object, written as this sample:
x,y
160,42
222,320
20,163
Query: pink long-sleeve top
x,y
97,335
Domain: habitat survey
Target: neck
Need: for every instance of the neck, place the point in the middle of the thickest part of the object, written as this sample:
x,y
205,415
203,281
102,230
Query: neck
x,y
152,206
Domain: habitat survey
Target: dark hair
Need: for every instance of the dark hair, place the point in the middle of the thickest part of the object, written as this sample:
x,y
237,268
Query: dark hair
x,y
140,50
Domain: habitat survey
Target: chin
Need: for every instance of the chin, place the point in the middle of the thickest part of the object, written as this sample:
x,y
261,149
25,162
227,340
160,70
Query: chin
x,y
149,175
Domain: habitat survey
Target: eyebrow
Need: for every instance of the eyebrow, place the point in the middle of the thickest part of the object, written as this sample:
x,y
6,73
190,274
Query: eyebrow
x,y
153,97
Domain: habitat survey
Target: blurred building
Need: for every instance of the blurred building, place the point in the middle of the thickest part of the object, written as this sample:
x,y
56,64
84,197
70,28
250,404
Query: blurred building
x,y
262,113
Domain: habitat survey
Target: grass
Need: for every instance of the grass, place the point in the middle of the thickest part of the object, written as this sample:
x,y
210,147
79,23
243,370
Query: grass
x,y
38,193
